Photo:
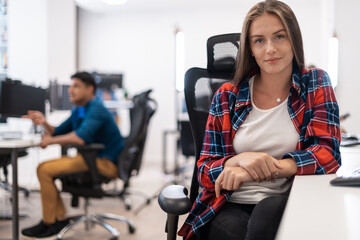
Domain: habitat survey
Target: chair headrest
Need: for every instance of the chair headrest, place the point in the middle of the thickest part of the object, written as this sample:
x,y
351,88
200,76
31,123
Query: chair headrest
x,y
222,51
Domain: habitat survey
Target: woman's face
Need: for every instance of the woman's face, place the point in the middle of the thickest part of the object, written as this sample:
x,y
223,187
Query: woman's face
x,y
270,45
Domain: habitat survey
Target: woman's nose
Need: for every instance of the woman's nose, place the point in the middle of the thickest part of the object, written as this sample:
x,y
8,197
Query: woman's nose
x,y
270,47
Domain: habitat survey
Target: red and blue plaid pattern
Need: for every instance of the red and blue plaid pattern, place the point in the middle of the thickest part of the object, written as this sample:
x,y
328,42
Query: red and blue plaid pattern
x,y
312,108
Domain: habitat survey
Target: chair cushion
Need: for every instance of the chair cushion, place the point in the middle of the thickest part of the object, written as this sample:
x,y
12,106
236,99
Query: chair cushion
x,y
79,184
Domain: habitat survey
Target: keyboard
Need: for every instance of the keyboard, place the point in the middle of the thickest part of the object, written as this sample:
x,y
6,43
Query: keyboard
x,y
8,135
350,180
348,140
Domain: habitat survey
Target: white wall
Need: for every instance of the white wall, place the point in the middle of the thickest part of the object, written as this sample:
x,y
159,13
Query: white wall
x,y
28,41
61,34
347,18
41,40
141,45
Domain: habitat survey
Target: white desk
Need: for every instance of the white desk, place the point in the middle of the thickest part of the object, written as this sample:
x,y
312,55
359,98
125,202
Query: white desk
x,y
12,147
316,210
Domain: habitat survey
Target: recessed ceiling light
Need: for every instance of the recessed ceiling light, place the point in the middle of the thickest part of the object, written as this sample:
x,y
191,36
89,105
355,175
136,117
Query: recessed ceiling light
x,y
115,2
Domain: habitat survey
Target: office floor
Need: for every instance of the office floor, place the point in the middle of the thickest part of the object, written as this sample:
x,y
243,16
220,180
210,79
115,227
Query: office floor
x,y
149,222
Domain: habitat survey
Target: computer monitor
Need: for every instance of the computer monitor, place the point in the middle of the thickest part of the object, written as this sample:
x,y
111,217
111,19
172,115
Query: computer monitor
x,y
108,81
59,97
17,98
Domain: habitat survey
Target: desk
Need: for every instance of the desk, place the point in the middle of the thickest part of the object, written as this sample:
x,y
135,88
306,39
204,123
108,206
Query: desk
x,y
12,147
316,210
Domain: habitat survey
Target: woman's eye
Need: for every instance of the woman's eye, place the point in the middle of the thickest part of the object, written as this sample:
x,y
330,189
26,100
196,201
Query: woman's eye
x,y
280,36
259,40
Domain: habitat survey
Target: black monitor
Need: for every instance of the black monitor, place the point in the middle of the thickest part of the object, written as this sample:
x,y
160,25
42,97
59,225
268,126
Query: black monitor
x,y
108,81
59,97
17,98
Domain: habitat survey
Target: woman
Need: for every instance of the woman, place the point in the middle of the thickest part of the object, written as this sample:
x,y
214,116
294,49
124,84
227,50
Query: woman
x,y
275,120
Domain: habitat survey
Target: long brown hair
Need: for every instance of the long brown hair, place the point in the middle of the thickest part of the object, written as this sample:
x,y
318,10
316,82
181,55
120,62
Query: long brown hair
x,y
245,61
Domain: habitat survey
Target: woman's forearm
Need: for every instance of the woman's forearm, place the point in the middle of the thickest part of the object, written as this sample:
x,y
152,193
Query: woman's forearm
x,y
288,168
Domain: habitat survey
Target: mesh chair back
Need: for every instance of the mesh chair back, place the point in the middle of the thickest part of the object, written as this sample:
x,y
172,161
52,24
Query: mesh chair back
x,y
129,161
201,85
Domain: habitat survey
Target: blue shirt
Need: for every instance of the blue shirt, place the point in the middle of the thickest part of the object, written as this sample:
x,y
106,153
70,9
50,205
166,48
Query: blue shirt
x,y
93,123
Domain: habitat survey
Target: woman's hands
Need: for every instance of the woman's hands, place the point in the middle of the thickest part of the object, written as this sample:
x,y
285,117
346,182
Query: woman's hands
x,y
250,167
261,166
231,178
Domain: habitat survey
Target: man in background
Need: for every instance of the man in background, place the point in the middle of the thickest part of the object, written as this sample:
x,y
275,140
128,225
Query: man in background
x,y
90,122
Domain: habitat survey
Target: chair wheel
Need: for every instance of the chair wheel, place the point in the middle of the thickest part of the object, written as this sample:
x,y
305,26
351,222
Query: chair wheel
x,y
127,203
27,193
131,229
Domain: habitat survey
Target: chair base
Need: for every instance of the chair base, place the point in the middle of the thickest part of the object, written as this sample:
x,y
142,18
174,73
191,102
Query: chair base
x,y
8,187
123,195
98,219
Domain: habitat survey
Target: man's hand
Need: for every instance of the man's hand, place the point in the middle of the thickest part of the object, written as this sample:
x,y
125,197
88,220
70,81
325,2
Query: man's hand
x,y
261,166
45,140
37,117
231,178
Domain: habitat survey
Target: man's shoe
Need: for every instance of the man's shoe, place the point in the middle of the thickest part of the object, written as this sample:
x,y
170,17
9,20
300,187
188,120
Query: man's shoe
x,y
35,230
54,229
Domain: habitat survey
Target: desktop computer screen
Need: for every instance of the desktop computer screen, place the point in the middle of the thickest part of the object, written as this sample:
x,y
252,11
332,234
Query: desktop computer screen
x,y
16,99
108,81
59,97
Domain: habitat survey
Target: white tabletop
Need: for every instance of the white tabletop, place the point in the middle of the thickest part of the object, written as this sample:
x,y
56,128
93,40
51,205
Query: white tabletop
x,y
316,210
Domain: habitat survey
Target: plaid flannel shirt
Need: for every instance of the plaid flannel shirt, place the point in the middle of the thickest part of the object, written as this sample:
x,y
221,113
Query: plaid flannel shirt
x,y
314,112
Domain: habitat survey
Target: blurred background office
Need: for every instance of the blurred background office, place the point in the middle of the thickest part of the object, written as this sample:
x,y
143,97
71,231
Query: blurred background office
x,y
44,41
50,39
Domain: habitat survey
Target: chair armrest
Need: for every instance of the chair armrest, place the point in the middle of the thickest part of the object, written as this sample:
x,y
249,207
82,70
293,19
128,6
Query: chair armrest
x,y
90,147
89,153
173,200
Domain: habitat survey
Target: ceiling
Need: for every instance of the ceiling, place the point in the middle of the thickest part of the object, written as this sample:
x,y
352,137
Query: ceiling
x,y
99,6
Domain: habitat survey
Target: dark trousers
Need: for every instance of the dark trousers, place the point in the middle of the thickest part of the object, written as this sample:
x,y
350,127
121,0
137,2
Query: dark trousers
x,y
246,221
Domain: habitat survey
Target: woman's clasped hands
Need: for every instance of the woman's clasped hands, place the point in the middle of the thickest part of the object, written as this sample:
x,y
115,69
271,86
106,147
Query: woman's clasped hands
x,y
246,167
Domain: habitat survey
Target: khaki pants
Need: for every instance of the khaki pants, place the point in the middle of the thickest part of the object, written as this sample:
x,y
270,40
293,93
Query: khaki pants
x,y
52,204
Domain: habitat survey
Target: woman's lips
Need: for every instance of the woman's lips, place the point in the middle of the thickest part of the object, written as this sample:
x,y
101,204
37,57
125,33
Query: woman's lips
x,y
272,60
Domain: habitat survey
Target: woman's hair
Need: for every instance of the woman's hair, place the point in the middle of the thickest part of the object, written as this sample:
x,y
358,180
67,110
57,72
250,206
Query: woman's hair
x,y
246,63
86,78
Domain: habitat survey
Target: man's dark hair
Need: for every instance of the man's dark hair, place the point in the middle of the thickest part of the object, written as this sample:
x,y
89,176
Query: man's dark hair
x,y
86,78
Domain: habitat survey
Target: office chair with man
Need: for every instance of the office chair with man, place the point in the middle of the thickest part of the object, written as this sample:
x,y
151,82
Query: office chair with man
x,y
200,86
89,184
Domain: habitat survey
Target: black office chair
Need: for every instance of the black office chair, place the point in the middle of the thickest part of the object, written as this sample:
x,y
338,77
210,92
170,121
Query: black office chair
x,y
131,157
200,86
88,184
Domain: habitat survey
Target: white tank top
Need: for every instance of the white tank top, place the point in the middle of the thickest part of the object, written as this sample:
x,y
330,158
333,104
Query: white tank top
x,y
270,131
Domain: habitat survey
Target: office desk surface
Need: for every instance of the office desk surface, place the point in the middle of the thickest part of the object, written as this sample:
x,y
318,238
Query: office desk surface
x,y
316,210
